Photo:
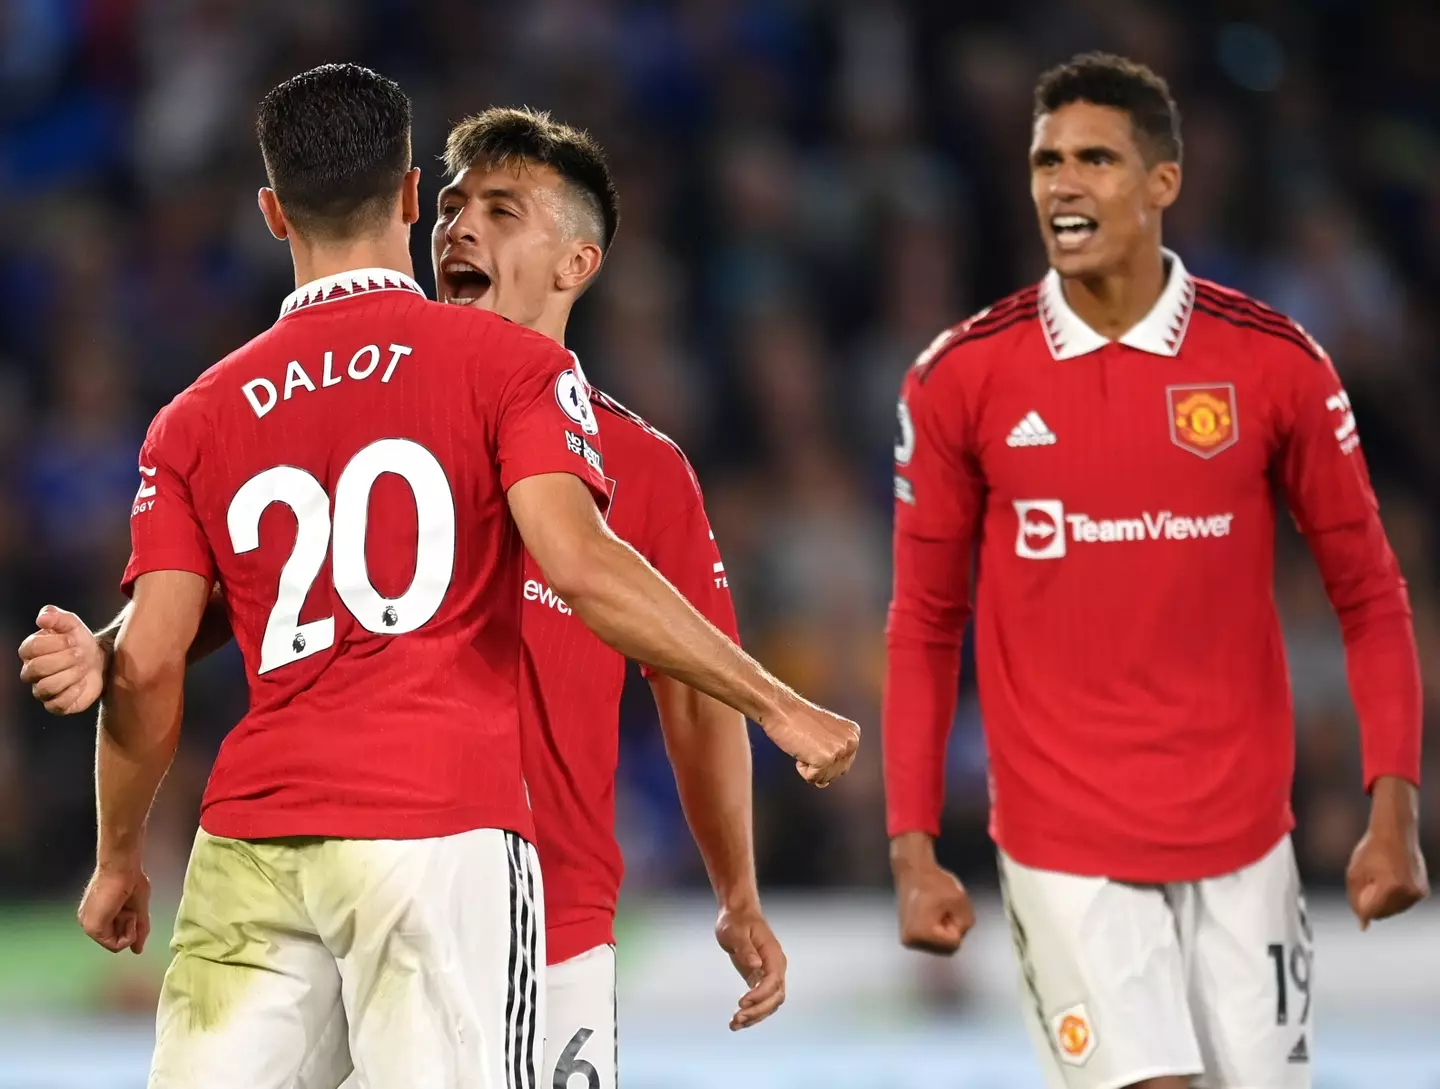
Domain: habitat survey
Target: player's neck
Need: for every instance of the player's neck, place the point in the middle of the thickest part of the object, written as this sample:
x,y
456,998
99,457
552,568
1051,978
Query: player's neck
x,y
552,322
316,261
1114,303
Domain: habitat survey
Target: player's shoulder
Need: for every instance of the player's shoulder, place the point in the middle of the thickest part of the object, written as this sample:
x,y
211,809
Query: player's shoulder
x,y
1277,336
988,334
196,405
486,330
635,448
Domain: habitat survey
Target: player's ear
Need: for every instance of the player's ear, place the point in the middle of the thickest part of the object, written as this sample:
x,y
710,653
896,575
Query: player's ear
x,y
270,209
410,197
1164,183
580,266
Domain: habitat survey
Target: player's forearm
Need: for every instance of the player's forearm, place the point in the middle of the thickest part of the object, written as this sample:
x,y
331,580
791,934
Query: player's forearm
x,y
624,601
1362,580
135,743
918,709
709,749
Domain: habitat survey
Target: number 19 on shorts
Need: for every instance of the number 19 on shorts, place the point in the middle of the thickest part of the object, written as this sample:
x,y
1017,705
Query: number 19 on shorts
x,y
286,640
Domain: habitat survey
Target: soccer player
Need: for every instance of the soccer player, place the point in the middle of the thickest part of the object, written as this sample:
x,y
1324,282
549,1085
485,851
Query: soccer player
x,y
1109,442
353,479
522,230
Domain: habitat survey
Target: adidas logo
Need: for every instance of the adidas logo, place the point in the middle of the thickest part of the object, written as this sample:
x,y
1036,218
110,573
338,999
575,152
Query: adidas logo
x,y
1031,431
1300,1053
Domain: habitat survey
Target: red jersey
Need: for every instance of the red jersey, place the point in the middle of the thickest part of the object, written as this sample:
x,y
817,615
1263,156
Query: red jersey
x,y
343,476
571,745
1121,497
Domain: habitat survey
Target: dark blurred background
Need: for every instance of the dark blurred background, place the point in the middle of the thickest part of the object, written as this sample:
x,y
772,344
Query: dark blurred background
x,y
811,191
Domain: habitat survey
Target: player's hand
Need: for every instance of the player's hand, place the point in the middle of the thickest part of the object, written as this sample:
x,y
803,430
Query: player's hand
x,y
934,908
62,663
1387,871
754,950
822,742
115,910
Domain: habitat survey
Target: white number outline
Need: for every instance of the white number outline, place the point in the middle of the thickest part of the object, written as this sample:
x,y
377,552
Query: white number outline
x,y
286,640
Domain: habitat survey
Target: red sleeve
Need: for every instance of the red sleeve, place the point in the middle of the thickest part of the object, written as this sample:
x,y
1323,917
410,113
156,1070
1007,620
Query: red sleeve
x,y
683,548
1328,490
938,501
165,533
547,425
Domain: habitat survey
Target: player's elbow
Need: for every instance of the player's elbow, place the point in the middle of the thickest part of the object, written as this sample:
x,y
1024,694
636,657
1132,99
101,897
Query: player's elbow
x,y
141,669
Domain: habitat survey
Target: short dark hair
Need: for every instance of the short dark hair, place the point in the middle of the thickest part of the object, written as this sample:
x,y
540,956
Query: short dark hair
x,y
508,136
1103,79
336,143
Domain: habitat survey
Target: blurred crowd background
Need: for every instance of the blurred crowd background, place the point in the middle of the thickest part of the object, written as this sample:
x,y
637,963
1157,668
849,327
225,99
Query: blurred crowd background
x,y
812,189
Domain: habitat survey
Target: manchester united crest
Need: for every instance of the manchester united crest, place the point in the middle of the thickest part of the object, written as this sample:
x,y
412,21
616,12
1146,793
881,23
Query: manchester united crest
x,y
1074,1035
1203,418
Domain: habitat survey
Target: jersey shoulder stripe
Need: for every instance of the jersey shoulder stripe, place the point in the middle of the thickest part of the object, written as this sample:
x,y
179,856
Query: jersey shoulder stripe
x,y
1246,313
603,401
1008,312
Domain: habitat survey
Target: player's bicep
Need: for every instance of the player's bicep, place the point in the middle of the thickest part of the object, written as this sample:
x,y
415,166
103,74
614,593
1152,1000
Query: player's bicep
x,y
938,488
160,624
559,523
939,497
1321,467
684,551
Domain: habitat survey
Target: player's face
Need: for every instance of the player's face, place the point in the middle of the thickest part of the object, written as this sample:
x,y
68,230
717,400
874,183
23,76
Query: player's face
x,y
500,241
1096,199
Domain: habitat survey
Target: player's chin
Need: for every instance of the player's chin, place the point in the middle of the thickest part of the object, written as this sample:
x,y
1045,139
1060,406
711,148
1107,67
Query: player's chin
x,y
1087,260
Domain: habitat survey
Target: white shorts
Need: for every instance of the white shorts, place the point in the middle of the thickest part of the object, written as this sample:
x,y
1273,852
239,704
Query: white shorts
x,y
580,1044
420,962
1124,982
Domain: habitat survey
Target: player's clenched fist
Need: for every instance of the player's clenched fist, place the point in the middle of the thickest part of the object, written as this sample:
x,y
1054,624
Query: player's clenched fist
x,y
62,663
935,910
115,910
822,742
1387,872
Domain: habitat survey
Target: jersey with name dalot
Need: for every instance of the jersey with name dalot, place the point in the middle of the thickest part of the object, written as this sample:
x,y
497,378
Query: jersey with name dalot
x,y
343,477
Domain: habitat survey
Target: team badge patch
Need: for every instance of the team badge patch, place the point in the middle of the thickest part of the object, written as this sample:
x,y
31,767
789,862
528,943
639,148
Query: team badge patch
x,y
1074,1036
1203,418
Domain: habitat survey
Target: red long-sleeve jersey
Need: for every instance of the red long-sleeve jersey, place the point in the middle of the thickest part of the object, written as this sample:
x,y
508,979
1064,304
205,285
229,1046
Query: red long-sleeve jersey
x,y
1118,502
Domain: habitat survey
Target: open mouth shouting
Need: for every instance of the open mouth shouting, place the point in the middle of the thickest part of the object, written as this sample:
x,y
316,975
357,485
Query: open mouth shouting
x,y
463,283
1072,231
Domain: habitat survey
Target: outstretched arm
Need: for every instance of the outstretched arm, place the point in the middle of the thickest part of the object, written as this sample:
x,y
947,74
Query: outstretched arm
x,y
624,601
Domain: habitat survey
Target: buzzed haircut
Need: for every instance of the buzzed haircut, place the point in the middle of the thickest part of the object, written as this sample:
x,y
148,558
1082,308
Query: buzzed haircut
x,y
336,143
507,136
1104,79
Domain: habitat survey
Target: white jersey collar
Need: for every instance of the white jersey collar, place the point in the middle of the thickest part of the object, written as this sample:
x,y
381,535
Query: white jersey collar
x,y
1160,332
580,371
346,284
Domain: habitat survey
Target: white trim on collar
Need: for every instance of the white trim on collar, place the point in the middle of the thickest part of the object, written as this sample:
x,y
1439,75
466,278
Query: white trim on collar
x,y
346,284
1160,332
580,371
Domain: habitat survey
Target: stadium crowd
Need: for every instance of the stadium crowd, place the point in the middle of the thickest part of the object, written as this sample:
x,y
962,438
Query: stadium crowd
x,y
811,191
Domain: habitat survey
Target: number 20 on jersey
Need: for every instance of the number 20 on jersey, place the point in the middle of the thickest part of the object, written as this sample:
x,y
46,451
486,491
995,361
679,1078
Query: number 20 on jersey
x,y
286,640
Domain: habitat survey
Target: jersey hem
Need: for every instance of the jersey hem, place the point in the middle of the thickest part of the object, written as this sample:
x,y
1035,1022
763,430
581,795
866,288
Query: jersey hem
x,y
1143,863
567,940
230,821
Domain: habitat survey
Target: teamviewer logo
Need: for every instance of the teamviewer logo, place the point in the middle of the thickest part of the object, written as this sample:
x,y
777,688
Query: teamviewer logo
x,y
1040,529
